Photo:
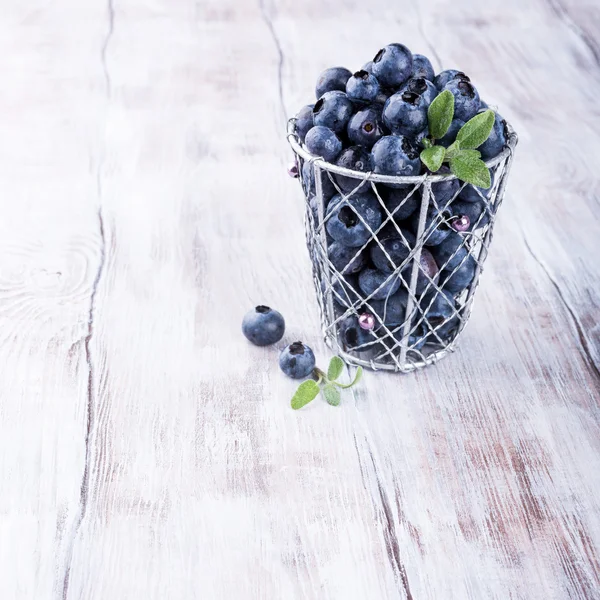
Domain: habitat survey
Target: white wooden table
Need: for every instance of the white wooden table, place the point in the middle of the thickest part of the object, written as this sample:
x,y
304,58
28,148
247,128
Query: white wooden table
x,y
147,451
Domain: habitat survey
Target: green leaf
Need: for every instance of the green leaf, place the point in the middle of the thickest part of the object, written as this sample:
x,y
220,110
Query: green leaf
x,y
307,391
357,378
470,168
452,150
335,369
433,157
473,153
426,142
440,114
332,395
474,132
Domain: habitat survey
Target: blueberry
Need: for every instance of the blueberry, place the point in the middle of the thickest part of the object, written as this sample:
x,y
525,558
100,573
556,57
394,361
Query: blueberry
x,y
304,121
322,141
397,249
444,191
436,229
392,310
451,252
422,87
478,213
366,127
395,155
393,65
348,218
368,67
353,336
422,67
333,110
466,99
450,135
346,259
263,326
455,281
355,158
332,79
437,307
297,360
308,179
428,272
400,202
417,140
377,284
362,87
345,291
471,193
405,113
445,77
497,140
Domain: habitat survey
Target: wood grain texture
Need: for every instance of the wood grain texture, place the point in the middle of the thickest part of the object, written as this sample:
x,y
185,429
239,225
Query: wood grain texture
x,y
148,451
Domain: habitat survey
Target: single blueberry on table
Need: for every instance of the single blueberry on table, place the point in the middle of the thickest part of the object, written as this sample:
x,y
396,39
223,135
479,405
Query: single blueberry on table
x,y
477,212
395,155
392,310
405,113
353,336
450,253
397,248
445,77
351,219
362,87
333,110
457,280
304,121
450,135
393,65
332,79
297,360
436,228
377,284
423,87
322,141
355,158
422,67
466,99
346,259
366,127
263,326
497,140
401,203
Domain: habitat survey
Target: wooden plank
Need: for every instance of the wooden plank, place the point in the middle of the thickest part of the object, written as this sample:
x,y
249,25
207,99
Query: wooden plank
x,y
50,253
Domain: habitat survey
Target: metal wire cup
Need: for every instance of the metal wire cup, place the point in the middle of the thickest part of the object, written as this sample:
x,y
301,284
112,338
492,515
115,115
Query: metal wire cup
x,y
416,313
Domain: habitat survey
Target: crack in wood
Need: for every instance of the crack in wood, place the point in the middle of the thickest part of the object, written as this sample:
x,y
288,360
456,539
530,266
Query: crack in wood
x,y
269,23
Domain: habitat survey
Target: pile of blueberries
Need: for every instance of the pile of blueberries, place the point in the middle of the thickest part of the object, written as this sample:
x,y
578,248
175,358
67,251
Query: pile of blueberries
x,y
375,120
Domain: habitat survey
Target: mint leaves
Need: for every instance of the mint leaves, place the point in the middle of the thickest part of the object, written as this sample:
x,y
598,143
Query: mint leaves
x,y
308,390
463,158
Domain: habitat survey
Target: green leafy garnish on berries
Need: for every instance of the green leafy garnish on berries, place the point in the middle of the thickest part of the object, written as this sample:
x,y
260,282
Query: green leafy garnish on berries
x,y
440,114
463,158
433,157
309,390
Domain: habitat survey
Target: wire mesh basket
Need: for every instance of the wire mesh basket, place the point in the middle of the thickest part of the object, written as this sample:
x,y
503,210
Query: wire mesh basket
x,y
400,293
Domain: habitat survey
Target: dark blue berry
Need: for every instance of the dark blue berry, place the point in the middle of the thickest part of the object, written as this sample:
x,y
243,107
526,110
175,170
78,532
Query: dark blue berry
x,y
362,87
377,284
422,67
297,360
322,141
333,110
450,253
331,79
397,248
466,99
366,127
423,87
304,121
497,140
405,113
478,213
351,220
395,155
353,336
401,203
445,77
392,310
355,158
450,135
263,326
393,65
457,280
346,259
436,228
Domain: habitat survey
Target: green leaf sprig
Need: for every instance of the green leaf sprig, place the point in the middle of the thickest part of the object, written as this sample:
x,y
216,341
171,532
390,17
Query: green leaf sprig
x,y
326,383
463,158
